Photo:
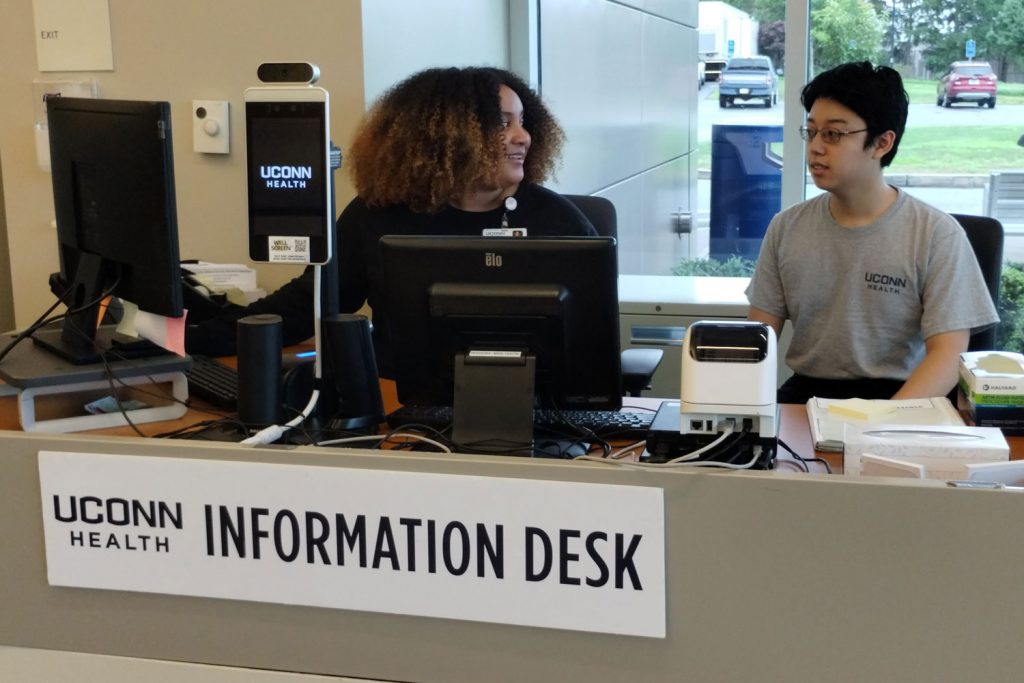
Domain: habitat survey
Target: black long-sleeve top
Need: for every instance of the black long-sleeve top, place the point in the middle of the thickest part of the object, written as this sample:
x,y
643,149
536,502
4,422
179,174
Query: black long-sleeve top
x,y
539,212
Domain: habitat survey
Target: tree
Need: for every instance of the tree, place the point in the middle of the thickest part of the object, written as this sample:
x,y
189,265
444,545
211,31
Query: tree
x,y
771,41
1007,31
744,5
771,10
845,31
908,22
947,24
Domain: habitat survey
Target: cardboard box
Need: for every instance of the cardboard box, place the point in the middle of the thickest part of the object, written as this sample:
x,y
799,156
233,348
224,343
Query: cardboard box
x,y
943,450
992,377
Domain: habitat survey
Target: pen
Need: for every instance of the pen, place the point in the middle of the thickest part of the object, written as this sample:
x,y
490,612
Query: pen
x,y
964,484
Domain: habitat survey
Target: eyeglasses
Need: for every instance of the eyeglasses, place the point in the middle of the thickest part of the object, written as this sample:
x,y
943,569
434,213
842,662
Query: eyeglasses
x,y
830,136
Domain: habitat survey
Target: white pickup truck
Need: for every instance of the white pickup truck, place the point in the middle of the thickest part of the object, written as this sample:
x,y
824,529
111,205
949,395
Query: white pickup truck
x,y
746,78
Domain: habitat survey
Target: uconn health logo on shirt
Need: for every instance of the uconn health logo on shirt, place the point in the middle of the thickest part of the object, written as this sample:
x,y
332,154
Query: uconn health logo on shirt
x,y
286,177
890,284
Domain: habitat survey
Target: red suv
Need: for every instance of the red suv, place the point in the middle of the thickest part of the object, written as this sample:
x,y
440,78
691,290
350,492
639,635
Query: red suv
x,y
967,82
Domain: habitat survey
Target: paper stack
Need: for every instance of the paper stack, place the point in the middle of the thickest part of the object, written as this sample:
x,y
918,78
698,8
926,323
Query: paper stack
x,y
828,417
234,280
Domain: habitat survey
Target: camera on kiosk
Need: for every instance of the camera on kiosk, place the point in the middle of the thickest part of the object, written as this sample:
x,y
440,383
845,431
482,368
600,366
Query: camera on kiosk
x,y
288,72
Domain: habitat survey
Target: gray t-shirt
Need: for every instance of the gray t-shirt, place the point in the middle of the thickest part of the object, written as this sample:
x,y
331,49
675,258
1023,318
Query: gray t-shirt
x,y
862,300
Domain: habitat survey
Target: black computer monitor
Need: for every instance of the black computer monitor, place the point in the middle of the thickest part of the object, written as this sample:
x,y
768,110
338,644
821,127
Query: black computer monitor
x,y
113,193
552,299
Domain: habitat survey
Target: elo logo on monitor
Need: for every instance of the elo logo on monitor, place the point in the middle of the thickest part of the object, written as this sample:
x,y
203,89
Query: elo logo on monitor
x,y
288,174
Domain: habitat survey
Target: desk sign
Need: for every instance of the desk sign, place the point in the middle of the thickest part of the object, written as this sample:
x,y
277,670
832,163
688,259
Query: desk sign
x,y
585,557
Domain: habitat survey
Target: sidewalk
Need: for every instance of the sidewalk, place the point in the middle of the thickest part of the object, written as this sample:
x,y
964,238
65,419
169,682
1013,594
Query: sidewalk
x,y
952,194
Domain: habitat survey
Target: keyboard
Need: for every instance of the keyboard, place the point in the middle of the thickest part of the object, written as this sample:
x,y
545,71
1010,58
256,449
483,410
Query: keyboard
x,y
604,423
213,382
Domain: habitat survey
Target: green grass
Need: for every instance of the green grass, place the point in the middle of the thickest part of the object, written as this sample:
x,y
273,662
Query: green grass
x,y
949,149
925,92
944,149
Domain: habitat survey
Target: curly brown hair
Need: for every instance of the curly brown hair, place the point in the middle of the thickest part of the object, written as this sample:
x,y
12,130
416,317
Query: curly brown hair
x,y
436,136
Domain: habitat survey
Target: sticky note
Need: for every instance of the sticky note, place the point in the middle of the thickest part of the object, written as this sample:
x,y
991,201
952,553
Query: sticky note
x,y
859,409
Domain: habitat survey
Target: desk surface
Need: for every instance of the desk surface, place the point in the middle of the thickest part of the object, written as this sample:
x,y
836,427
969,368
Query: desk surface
x,y
793,427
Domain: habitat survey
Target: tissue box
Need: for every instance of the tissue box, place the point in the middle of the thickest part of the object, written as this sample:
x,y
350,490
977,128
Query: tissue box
x,y
942,450
992,377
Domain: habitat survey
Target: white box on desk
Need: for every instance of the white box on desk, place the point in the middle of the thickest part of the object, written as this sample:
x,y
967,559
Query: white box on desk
x,y
1004,386
943,450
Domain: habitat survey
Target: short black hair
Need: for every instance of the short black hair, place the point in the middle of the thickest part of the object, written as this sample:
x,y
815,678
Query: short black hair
x,y
874,93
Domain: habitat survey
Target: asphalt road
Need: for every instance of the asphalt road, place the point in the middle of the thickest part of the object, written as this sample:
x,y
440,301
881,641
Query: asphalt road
x,y
920,115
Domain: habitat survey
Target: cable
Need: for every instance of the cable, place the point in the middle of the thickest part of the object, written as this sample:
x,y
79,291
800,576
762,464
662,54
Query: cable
x,y
274,432
688,459
623,452
730,425
805,461
385,437
197,429
715,463
39,322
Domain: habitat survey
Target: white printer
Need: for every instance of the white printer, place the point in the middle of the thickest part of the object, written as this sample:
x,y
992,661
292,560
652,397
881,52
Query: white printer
x,y
729,371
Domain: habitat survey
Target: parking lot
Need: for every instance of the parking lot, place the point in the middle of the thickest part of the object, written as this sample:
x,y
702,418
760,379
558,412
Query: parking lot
x,y
966,115
950,198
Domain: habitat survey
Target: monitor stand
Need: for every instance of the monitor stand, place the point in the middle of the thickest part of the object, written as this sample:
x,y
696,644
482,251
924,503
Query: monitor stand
x,y
52,390
108,343
493,400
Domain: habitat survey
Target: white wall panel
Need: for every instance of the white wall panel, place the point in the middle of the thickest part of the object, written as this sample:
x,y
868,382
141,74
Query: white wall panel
x,y
665,192
402,37
590,66
645,204
627,197
621,78
669,85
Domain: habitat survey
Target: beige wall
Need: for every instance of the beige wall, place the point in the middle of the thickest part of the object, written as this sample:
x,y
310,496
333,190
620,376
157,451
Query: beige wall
x,y
6,298
175,51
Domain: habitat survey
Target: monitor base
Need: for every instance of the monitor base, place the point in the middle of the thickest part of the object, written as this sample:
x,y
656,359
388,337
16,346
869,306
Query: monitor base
x,y
52,391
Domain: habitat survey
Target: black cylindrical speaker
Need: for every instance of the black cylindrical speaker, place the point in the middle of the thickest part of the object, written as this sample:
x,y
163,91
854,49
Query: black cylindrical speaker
x,y
259,370
350,373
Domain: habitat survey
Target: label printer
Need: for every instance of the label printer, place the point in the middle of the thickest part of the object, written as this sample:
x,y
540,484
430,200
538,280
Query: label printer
x,y
727,413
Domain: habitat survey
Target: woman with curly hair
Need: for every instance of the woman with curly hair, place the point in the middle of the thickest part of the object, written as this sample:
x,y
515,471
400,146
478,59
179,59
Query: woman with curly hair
x,y
453,151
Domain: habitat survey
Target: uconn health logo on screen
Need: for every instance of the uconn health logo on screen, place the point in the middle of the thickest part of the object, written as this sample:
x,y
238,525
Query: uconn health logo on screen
x,y
286,177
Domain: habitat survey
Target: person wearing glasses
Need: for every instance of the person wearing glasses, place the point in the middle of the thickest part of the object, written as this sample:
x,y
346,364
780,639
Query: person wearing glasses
x,y
882,290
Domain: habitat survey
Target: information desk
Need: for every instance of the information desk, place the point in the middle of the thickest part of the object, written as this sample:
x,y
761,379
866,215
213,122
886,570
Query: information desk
x,y
793,423
768,576
793,427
